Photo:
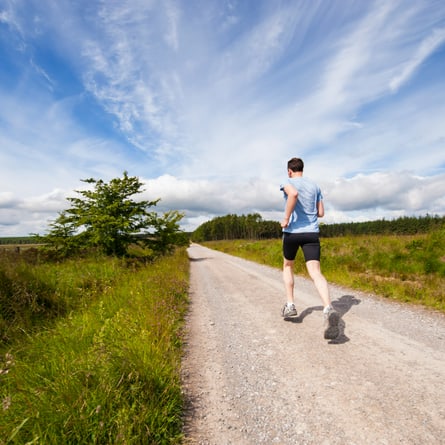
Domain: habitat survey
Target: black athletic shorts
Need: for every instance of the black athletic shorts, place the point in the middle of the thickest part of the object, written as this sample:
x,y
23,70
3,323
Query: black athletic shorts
x,y
309,242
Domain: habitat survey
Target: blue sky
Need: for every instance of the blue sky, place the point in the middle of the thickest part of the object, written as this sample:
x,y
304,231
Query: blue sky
x,y
206,100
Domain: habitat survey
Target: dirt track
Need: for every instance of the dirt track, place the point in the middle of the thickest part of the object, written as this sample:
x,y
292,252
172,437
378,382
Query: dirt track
x,y
252,378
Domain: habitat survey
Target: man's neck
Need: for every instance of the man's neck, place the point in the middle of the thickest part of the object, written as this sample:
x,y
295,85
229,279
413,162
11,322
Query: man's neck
x,y
296,174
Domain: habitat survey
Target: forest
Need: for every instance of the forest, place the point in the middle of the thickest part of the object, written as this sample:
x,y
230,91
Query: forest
x,y
400,226
251,226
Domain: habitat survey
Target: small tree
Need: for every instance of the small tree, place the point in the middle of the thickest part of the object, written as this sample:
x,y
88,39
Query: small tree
x,y
167,233
109,219
61,236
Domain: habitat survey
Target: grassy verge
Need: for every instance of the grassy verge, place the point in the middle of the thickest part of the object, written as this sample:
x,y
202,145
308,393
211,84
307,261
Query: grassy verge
x,y
104,366
403,268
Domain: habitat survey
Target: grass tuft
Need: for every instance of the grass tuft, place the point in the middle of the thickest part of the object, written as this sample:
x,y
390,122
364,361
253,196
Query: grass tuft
x,y
108,370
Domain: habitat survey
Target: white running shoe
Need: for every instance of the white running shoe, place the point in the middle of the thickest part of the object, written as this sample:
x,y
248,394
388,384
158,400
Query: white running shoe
x,y
288,311
331,321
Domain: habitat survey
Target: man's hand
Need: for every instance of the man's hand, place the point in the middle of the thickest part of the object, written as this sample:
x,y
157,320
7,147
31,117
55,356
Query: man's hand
x,y
284,223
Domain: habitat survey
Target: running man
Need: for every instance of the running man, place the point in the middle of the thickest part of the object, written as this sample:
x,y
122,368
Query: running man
x,y
304,205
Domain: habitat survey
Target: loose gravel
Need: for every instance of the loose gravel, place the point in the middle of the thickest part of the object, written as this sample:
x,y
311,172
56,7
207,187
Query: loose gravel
x,y
250,377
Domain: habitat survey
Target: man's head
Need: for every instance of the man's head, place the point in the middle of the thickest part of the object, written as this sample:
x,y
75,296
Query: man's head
x,y
295,164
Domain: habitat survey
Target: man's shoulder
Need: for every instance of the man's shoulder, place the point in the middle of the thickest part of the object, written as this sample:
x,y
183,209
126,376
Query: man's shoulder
x,y
286,182
300,181
308,182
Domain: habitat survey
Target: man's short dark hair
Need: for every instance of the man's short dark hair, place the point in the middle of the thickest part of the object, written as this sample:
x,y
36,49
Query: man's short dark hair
x,y
295,164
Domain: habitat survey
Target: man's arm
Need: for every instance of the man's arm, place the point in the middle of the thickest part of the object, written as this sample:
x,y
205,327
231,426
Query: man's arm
x,y
320,209
292,196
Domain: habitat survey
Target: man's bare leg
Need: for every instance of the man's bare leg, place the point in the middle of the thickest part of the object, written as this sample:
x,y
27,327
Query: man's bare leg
x,y
288,278
288,310
313,267
331,316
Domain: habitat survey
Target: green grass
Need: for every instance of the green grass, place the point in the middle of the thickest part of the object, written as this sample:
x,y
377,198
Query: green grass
x,y
104,366
91,348
403,268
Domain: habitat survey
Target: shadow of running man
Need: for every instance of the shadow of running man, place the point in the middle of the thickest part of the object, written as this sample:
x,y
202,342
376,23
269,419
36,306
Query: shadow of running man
x,y
342,305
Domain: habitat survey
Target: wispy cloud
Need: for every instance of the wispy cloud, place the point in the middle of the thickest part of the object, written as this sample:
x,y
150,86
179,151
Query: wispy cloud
x,y
123,71
44,74
172,15
425,49
208,100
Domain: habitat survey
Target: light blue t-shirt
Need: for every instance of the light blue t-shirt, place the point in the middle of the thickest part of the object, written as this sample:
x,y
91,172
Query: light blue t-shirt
x,y
304,217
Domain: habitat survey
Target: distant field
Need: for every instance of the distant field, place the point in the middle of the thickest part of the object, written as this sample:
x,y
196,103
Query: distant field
x,y
18,242
404,268
20,245
18,248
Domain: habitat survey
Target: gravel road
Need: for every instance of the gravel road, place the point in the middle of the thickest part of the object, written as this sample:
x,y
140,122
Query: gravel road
x,y
252,378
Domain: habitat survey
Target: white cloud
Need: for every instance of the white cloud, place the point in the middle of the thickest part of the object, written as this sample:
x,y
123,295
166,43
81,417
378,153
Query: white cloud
x,y
44,75
395,191
8,17
366,196
207,102
256,52
217,197
7,200
361,198
52,202
425,49
172,14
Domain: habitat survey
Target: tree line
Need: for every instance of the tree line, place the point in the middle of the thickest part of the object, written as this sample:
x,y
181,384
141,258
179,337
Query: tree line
x,y
18,240
252,226
405,225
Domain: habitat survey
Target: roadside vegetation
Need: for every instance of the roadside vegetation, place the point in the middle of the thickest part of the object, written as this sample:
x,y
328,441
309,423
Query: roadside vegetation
x,y
90,350
91,324
108,218
408,268
401,259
